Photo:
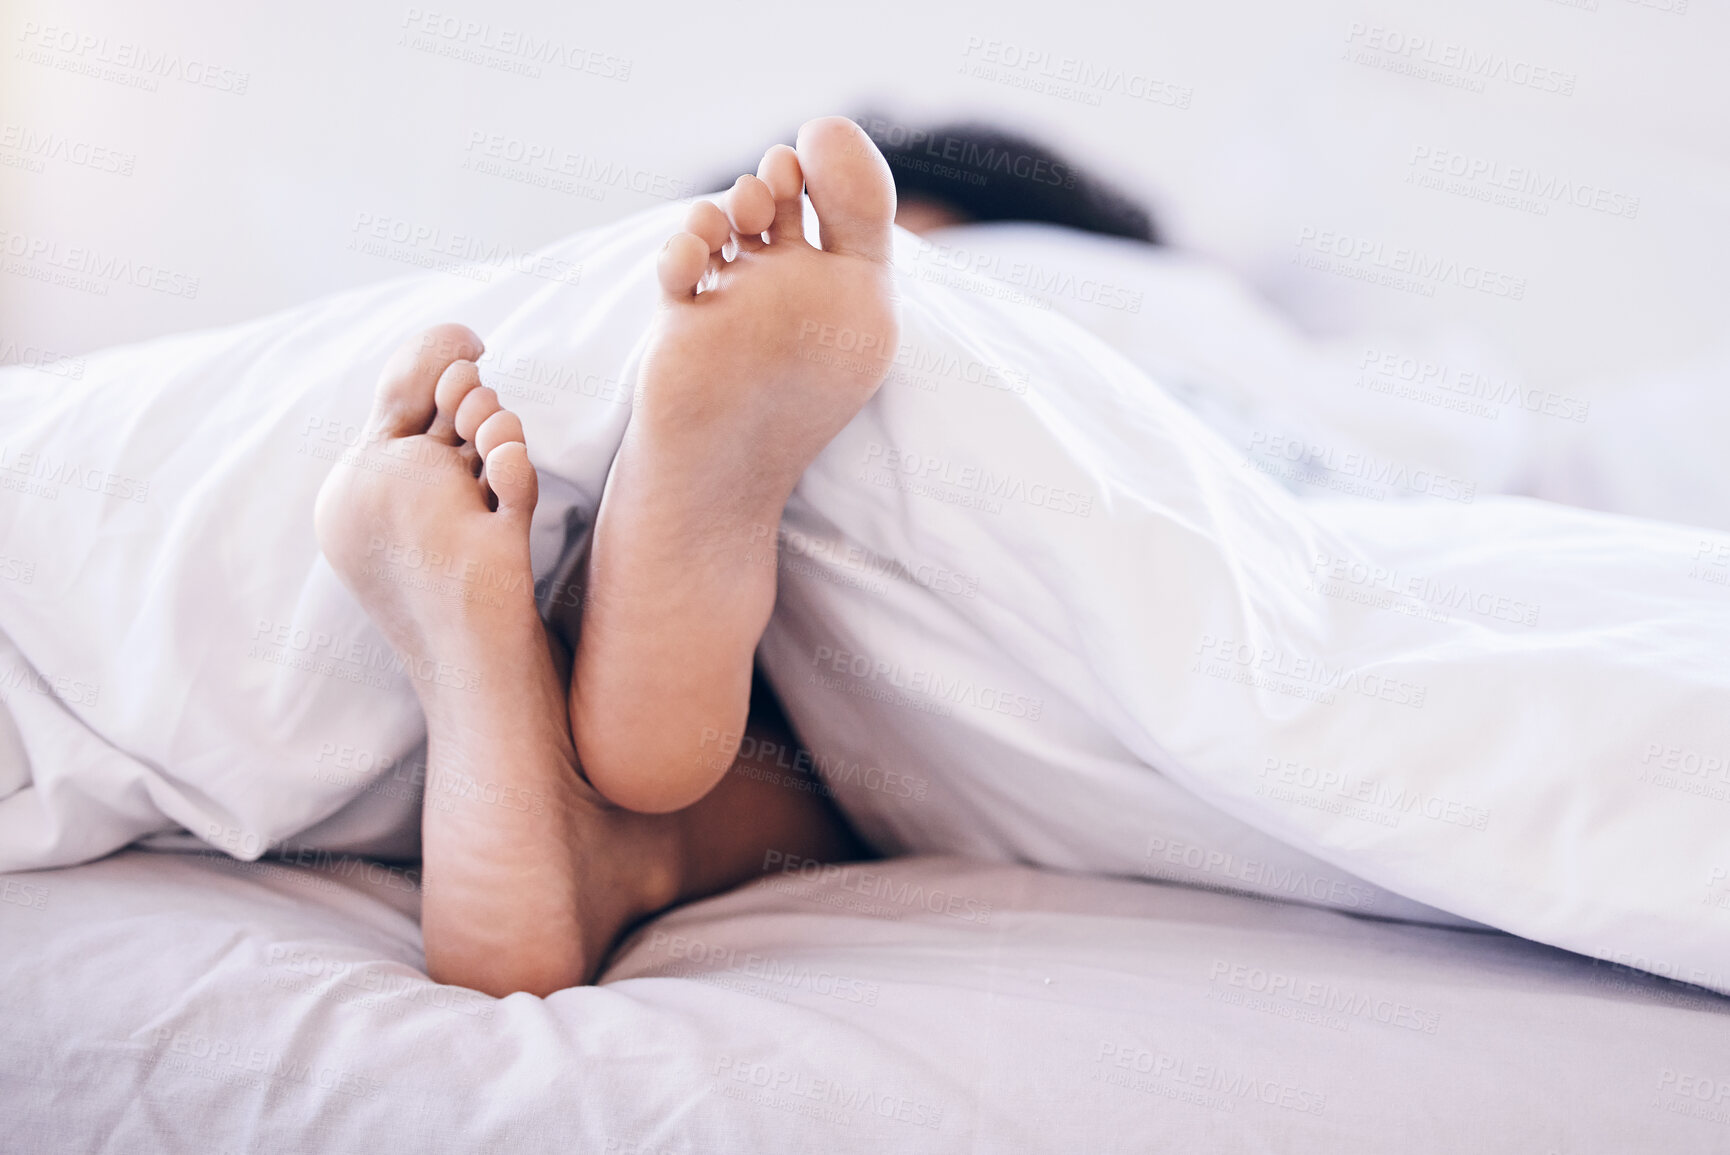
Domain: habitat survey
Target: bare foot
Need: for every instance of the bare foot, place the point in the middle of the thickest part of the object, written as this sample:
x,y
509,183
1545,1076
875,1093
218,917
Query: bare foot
x,y
754,364
411,520
529,874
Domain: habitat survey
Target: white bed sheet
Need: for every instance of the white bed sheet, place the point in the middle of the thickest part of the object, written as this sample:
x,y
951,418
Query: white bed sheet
x,y
167,1002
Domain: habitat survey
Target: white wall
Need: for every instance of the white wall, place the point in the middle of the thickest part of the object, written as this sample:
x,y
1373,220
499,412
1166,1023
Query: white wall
x,y
257,194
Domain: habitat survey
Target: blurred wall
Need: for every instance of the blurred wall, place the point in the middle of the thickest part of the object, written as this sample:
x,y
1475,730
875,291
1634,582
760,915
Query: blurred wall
x,y
1551,174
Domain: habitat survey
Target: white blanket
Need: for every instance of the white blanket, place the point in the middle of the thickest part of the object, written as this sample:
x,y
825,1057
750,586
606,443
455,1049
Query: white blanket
x,y
1031,607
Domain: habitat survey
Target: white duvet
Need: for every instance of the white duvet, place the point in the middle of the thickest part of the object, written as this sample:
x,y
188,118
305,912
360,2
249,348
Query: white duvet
x,y
1031,607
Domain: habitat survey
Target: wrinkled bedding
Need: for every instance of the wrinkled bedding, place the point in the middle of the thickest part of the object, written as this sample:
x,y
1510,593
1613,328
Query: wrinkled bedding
x,y
1032,607
178,1002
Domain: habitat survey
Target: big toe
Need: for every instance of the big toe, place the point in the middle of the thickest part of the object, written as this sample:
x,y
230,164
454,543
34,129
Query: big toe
x,y
850,186
405,400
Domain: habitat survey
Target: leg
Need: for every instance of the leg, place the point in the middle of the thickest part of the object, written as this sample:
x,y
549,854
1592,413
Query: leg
x,y
760,806
530,874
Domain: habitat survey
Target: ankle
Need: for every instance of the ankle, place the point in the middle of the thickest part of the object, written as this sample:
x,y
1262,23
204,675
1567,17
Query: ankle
x,y
653,874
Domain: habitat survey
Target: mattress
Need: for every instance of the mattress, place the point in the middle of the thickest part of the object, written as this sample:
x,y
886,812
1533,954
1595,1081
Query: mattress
x,y
175,1002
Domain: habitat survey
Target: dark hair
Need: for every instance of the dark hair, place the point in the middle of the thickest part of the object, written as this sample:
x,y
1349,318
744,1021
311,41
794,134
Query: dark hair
x,y
984,173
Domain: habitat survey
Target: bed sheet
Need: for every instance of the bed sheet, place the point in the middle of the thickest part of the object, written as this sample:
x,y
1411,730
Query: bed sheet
x,y
173,1002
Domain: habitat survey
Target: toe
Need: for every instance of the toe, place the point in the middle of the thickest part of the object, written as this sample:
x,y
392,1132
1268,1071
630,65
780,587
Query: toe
x,y
480,404
683,261
512,478
750,206
458,380
785,180
501,427
706,220
404,403
850,187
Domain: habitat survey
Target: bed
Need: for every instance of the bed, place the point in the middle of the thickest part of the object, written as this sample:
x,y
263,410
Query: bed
x,y
159,1001
175,1002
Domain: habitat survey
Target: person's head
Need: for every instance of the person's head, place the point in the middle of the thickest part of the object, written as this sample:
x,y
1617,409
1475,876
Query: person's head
x,y
970,171
965,172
